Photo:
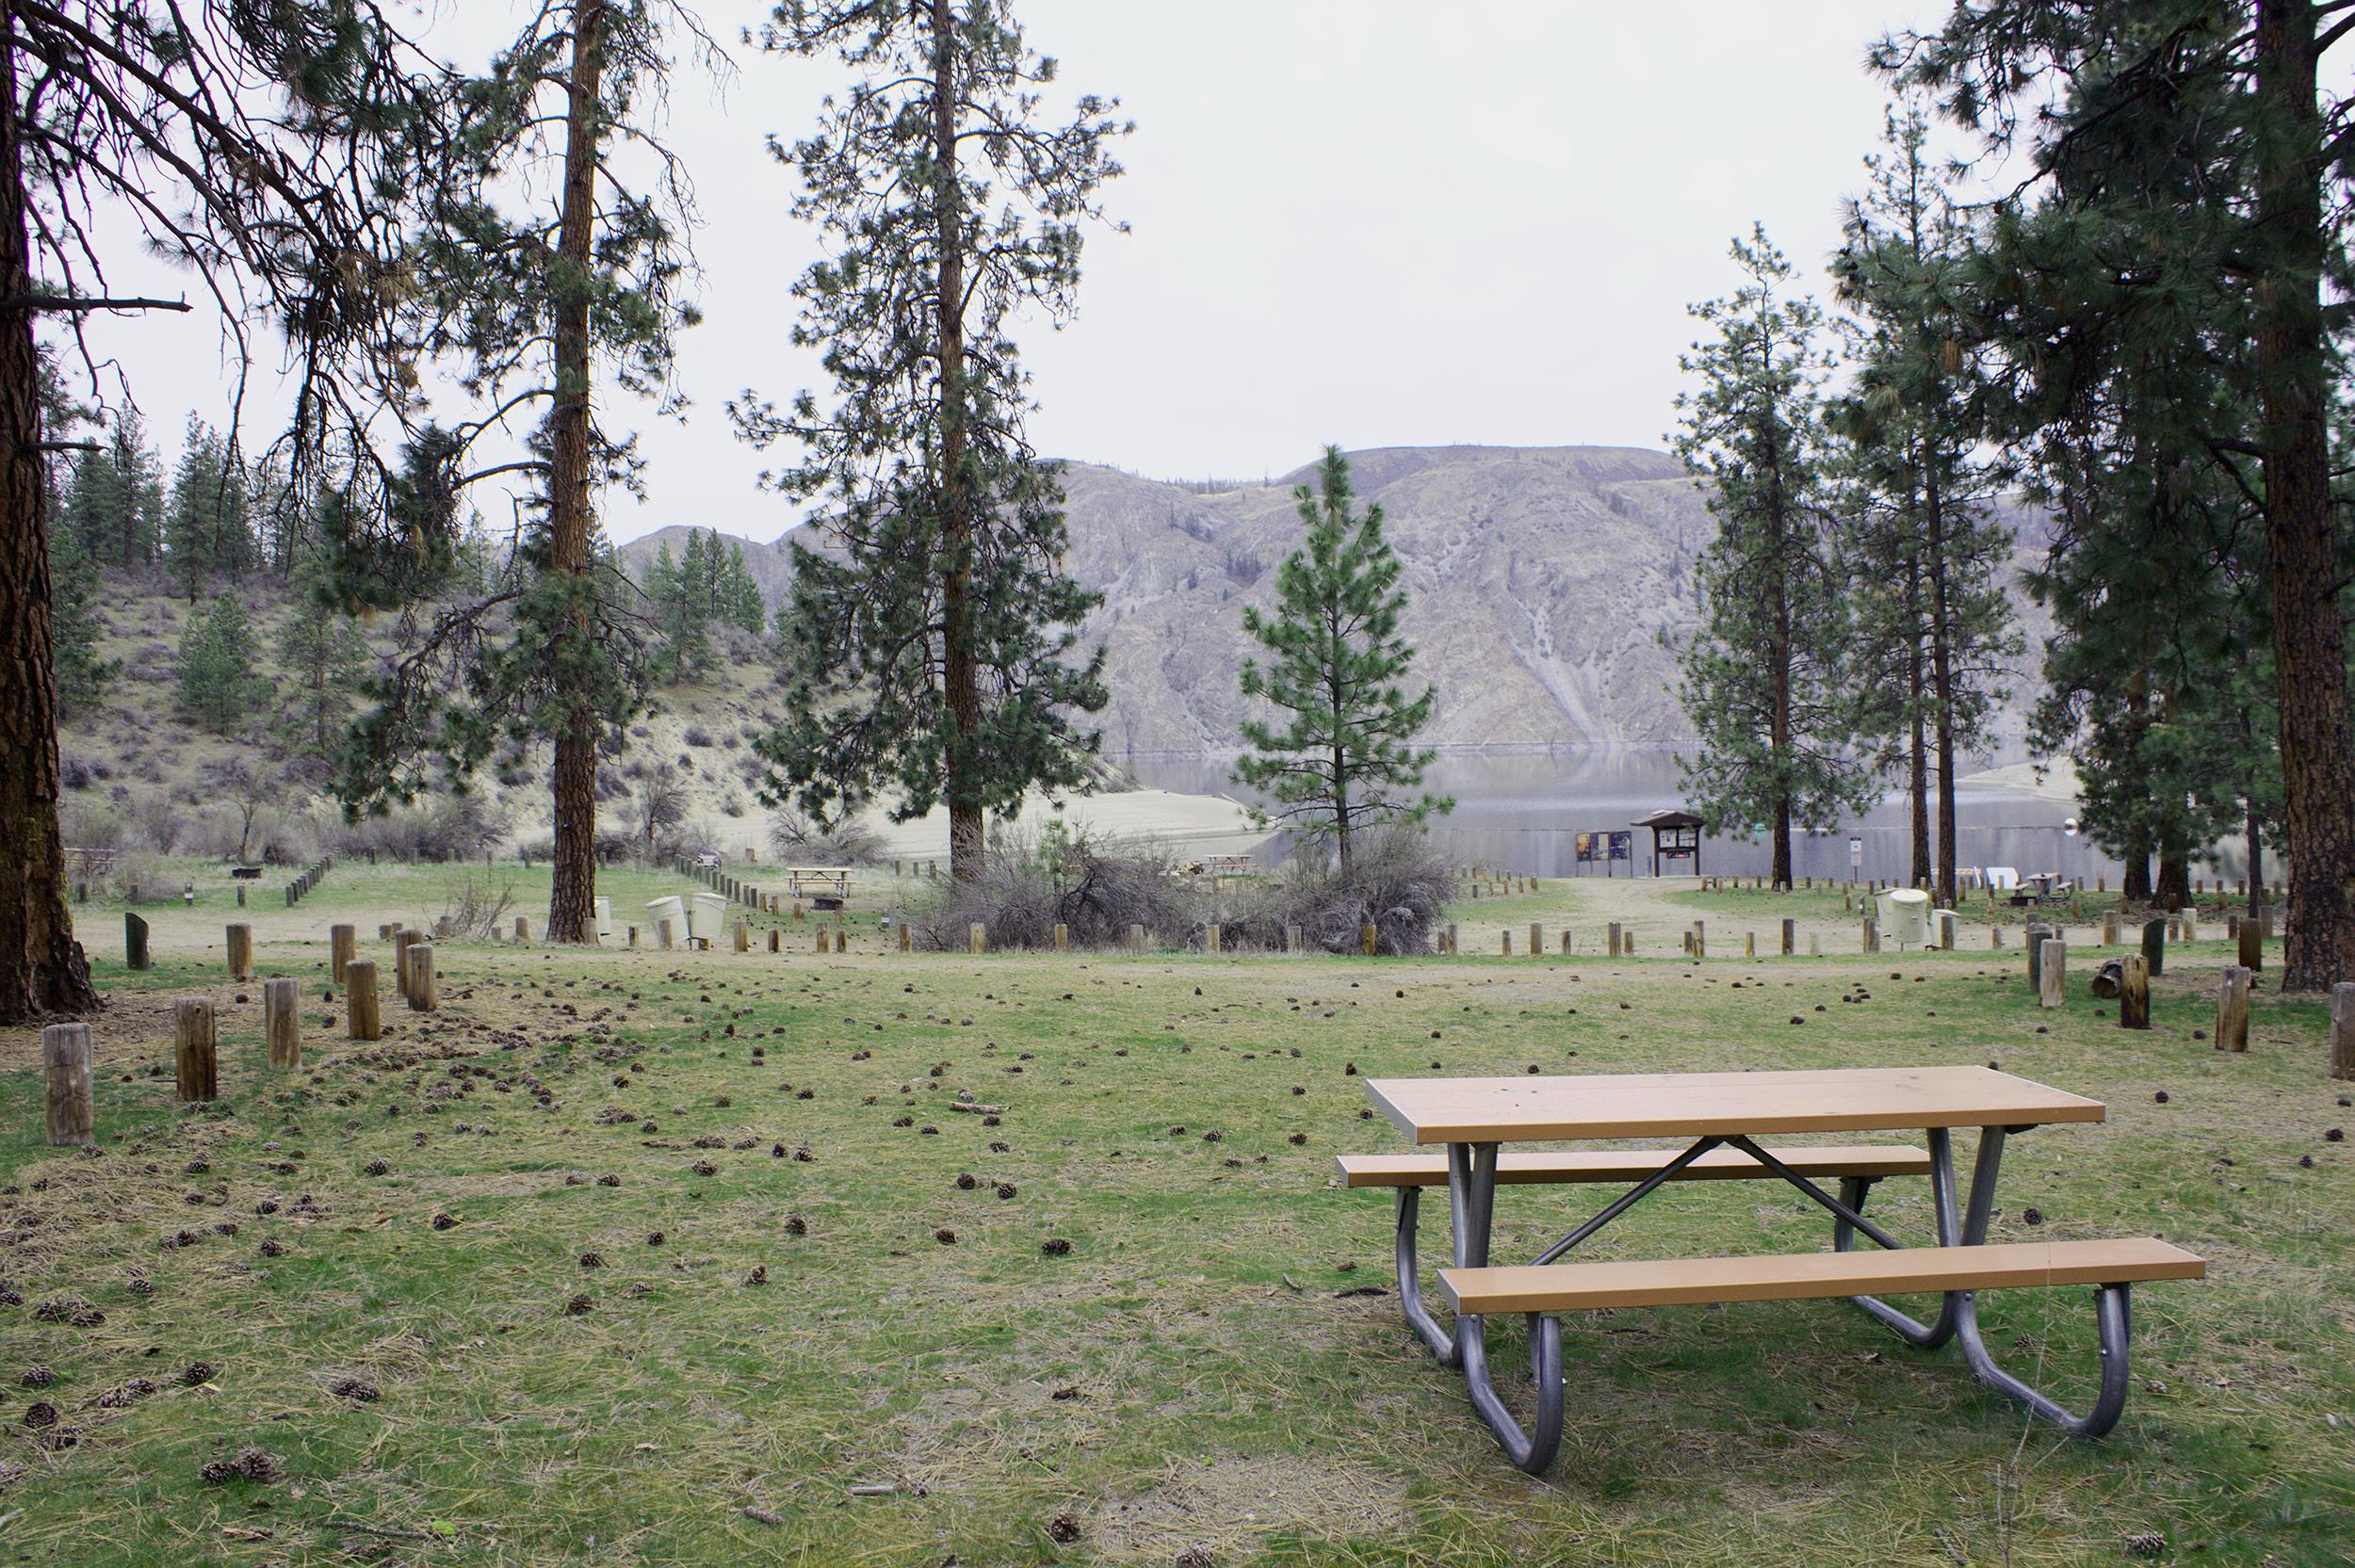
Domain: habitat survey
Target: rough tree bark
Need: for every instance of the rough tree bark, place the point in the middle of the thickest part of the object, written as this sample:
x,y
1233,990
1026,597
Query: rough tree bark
x,y
572,900
43,972
2309,638
959,678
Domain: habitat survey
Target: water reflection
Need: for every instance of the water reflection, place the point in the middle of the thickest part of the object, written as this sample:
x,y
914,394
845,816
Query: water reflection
x,y
1523,810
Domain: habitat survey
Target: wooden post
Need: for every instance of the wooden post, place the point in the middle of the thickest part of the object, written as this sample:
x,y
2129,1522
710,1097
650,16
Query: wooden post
x,y
2343,1029
1749,945
1946,930
633,939
1537,939
2038,932
976,937
1871,935
195,1043
2154,946
2252,945
1790,937
1210,937
282,1022
1503,946
1451,937
1701,938
1369,937
65,1057
523,930
1063,937
2134,993
360,999
774,943
343,944
2232,1009
2109,928
423,993
2054,970
240,946
1618,938
2190,918
907,938
134,942
1995,937
1291,939
744,937
402,938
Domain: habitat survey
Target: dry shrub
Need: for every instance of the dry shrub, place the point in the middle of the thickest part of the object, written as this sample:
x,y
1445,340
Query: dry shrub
x,y
474,913
795,840
1396,882
454,827
1097,889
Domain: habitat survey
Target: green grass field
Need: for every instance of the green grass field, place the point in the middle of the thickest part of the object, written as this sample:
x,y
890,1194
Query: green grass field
x,y
673,1258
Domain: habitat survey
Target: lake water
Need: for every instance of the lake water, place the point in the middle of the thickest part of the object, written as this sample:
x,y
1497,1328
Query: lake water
x,y
1523,810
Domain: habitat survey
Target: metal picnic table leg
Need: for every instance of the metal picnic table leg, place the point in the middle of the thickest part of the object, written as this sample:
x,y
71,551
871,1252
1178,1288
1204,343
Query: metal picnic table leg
x,y
1472,1184
1969,1229
1418,1317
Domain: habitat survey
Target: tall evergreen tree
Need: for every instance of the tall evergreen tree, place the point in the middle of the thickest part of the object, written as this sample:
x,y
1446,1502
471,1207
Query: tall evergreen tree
x,y
538,295
1346,758
208,529
1926,546
2233,93
270,148
218,682
324,655
932,646
84,678
1762,679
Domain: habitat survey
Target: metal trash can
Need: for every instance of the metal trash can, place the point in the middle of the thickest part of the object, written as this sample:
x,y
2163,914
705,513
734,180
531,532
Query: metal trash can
x,y
708,916
675,910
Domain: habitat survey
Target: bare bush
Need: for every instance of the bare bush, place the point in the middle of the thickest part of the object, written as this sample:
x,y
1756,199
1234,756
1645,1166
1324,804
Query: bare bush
x,y
158,819
91,825
455,827
794,839
475,913
1396,882
1097,890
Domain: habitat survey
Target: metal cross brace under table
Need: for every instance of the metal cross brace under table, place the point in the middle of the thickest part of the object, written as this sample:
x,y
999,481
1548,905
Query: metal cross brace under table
x,y
1471,1204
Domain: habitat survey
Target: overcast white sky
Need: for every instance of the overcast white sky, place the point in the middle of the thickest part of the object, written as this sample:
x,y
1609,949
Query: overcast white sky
x,y
1376,222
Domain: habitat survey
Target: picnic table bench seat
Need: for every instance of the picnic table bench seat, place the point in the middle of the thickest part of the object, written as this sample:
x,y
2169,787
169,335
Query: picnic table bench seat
x,y
1869,1162
1804,1276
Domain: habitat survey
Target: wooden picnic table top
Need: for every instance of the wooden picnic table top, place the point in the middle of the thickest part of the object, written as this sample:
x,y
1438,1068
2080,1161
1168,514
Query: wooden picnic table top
x,y
1699,1105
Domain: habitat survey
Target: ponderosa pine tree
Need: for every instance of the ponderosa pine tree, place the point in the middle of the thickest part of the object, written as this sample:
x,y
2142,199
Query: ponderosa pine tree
x,y
325,657
272,149
1933,624
2093,93
217,683
932,642
1345,759
536,301
1762,682
207,521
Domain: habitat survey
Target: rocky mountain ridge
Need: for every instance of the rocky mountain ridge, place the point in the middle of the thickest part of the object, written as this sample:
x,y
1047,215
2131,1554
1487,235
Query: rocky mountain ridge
x,y
1546,585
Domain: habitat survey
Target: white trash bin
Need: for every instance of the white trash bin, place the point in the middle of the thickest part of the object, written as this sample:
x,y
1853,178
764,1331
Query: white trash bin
x,y
672,909
708,915
605,919
1906,920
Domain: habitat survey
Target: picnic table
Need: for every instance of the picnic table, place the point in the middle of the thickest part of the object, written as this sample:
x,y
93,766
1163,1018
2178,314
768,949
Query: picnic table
x,y
1723,1115
835,879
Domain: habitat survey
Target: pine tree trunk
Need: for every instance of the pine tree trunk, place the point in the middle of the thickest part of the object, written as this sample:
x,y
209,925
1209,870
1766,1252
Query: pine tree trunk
x,y
1943,693
2174,889
2309,637
1918,786
41,968
571,899
2134,886
959,675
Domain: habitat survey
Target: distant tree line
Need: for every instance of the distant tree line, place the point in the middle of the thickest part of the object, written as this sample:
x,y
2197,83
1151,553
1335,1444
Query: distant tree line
x,y
2137,340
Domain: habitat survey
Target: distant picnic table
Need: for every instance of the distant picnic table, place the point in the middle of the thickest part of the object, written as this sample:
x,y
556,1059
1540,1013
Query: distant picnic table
x,y
834,880
1723,1114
